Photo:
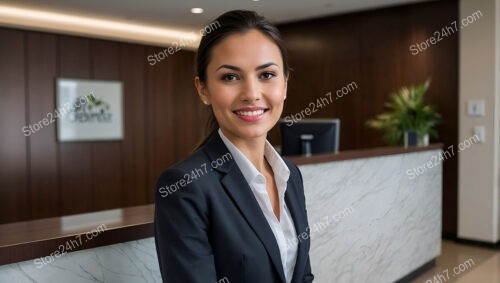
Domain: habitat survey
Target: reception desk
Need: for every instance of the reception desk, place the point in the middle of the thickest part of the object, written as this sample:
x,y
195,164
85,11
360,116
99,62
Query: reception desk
x,y
371,220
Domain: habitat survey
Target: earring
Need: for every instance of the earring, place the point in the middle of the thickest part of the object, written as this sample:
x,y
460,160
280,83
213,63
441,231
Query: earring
x,y
205,102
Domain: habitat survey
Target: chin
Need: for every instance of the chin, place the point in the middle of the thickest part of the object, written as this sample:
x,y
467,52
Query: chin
x,y
252,131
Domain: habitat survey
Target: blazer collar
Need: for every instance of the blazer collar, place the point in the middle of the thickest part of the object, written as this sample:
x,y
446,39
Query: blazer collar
x,y
215,149
238,189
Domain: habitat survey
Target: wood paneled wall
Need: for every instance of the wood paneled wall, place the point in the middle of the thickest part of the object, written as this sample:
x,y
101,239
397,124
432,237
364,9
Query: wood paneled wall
x,y
40,177
372,49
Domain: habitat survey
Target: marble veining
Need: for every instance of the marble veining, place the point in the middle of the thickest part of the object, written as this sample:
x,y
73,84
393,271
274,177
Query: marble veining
x,y
395,226
134,261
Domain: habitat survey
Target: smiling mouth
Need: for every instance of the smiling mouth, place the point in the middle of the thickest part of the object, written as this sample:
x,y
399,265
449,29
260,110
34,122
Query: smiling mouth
x,y
250,113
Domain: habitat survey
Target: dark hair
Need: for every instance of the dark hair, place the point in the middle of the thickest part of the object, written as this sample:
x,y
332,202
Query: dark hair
x,y
229,23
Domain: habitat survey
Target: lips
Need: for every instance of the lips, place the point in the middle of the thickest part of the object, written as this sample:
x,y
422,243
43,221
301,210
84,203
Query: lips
x,y
250,114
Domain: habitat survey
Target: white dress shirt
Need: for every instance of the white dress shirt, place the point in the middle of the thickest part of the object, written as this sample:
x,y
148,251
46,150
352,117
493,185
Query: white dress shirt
x,y
283,229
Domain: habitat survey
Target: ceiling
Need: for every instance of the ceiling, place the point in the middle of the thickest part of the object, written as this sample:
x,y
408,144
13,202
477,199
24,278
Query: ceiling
x,y
176,13
162,22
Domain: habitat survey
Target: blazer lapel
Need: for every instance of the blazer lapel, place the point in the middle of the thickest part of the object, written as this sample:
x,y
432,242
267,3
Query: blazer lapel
x,y
241,193
299,220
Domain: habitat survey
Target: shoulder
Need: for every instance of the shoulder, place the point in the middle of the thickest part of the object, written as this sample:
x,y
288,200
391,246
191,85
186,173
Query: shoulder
x,y
290,164
294,170
194,160
297,181
181,178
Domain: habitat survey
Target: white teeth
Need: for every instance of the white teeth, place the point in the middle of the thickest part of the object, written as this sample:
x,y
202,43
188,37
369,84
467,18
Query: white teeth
x,y
250,113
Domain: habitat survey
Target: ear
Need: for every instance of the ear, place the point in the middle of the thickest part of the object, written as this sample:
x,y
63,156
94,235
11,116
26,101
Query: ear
x,y
286,86
202,90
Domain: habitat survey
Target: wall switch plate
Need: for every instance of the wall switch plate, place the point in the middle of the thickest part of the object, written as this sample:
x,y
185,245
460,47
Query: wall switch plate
x,y
480,133
475,108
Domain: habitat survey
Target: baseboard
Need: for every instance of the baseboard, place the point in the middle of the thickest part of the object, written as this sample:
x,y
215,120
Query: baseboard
x,y
449,236
478,243
417,272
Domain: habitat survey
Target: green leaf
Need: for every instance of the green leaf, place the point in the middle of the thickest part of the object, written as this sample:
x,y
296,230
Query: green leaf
x,y
407,112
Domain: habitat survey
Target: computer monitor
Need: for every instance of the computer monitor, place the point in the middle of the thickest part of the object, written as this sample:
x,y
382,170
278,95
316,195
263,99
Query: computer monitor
x,y
309,136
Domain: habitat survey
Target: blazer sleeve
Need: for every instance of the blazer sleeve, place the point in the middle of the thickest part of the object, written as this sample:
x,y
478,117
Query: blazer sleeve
x,y
308,276
181,222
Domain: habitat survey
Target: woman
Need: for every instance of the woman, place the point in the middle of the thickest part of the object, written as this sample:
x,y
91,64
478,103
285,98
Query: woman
x,y
234,210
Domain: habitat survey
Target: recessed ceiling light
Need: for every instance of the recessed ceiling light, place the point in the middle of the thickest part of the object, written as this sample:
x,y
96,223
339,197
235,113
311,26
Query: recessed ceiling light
x,y
196,10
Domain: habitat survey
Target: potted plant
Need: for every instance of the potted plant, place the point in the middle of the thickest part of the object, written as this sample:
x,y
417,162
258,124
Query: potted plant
x,y
409,119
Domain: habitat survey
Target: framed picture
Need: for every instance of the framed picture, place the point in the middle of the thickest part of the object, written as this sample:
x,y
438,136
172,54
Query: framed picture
x,y
89,110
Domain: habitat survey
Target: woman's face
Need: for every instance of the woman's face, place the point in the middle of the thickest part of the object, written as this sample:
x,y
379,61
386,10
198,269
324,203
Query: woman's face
x,y
246,85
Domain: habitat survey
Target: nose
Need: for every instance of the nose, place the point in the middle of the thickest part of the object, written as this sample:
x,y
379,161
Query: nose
x,y
250,91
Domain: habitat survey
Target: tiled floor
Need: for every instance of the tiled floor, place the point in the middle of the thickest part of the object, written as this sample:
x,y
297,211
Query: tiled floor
x,y
464,264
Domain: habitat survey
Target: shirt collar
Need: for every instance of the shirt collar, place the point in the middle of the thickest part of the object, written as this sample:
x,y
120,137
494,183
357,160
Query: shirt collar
x,y
250,173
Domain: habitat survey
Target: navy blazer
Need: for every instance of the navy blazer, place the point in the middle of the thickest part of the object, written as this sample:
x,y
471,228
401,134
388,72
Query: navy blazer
x,y
209,226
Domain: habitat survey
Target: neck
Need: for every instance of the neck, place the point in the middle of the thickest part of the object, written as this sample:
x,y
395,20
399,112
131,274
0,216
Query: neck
x,y
253,149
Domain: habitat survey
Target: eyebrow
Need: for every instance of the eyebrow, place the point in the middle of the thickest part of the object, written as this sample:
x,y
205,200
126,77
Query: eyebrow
x,y
263,66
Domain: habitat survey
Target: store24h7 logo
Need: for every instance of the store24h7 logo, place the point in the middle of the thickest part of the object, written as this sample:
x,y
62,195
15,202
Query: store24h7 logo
x,y
95,110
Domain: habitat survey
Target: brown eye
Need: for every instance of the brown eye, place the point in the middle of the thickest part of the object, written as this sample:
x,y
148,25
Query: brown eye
x,y
267,75
229,77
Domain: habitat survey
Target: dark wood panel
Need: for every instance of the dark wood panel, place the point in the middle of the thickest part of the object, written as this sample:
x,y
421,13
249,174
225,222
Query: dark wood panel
x,y
188,110
134,145
106,161
372,49
383,48
14,173
78,177
336,63
75,158
42,68
160,123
